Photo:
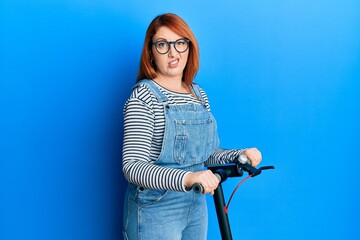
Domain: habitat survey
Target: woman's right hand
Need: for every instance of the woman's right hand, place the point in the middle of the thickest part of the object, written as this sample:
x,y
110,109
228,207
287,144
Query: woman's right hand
x,y
206,178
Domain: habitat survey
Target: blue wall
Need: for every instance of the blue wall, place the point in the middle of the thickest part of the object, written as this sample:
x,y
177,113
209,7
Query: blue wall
x,y
281,75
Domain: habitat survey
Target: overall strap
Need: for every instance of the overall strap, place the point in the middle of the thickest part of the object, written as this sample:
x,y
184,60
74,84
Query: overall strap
x,y
159,95
196,89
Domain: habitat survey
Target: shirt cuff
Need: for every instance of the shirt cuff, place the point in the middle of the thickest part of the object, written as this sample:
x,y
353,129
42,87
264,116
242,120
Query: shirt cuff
x,y
184,188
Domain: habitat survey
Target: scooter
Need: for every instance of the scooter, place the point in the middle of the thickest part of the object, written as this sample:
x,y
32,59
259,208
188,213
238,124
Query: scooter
x,y
222,172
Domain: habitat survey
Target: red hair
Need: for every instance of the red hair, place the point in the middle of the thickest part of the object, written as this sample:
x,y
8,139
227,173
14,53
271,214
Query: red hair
x,y
176,24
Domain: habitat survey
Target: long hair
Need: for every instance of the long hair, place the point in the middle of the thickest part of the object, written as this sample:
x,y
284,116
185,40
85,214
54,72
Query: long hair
x,y
180,27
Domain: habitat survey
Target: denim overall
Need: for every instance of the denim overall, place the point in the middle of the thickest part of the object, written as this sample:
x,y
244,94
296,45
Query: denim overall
x,y
190,137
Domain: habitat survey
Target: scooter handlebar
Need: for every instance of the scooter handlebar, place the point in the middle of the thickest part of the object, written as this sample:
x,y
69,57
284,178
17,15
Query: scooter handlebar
x,y
244,163
222,172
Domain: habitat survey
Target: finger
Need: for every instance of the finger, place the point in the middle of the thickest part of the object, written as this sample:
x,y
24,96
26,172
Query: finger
x,y
211,186
209,189
214,180
211,180
255,156
256,161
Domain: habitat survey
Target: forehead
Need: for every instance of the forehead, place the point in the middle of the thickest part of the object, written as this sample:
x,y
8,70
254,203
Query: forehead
x,y
166,33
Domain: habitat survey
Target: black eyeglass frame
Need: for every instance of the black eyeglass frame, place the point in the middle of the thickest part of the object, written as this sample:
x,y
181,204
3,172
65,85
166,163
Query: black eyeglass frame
x,y
172,42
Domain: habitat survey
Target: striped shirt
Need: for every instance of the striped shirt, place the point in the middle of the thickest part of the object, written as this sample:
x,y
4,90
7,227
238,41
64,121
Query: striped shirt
x,y
144,126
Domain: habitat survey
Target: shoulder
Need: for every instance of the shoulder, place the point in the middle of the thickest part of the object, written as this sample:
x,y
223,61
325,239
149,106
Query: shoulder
x,y
141,97
143,93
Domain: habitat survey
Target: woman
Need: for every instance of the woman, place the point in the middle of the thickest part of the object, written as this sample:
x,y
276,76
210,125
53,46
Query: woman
x,y
169,134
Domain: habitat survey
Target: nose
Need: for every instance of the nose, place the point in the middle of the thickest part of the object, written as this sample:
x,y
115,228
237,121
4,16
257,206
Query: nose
x,y
172,50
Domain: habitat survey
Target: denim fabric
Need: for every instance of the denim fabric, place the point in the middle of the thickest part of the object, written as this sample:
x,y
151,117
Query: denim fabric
x,y
189,139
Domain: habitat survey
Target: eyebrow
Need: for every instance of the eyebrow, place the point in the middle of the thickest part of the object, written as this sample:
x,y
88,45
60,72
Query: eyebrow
x,y
160,39
164,39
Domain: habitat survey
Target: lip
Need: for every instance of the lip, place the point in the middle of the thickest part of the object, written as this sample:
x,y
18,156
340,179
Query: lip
x,y
174,63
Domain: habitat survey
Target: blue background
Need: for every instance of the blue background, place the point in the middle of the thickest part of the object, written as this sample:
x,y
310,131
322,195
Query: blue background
x,y
281,75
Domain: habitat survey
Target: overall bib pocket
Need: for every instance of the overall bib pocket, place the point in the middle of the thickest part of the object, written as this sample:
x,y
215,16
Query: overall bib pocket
x,y
193,143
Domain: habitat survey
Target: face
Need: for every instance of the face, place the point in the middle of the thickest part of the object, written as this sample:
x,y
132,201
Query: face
x,y
172,63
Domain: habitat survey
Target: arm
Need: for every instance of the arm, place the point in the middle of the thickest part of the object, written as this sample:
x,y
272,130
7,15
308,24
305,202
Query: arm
x,y
138,166
223,156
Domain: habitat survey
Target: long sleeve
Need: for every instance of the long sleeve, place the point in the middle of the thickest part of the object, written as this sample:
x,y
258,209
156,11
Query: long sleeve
x,y
223,156
138,166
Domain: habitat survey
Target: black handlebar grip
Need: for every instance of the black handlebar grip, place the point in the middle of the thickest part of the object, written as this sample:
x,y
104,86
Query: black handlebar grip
x,y
198,188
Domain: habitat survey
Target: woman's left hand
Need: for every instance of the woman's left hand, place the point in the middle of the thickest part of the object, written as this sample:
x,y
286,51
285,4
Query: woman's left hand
x,y
254,155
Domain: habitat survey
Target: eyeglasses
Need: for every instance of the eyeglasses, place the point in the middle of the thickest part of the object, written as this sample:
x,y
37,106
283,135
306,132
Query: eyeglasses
x,y
180,45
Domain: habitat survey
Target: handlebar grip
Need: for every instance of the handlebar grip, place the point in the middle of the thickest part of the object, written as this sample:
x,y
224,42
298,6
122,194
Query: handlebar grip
x,y
198,188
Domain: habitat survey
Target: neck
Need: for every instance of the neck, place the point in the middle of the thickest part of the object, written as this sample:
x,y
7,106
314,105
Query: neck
x,y
173,84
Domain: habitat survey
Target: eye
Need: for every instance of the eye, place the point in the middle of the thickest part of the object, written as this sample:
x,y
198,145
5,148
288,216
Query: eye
x,y
162,44
180,42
